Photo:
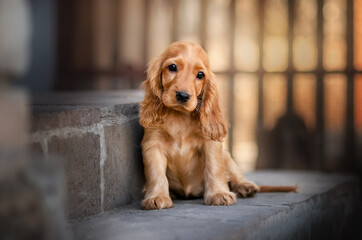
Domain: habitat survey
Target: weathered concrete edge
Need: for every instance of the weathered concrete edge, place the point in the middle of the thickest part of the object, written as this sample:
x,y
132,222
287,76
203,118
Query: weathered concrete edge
x,y
42,136
47,117
45,136
314,218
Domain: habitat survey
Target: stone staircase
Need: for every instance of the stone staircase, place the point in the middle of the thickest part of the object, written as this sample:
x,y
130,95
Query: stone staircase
x,y
324,208
97,138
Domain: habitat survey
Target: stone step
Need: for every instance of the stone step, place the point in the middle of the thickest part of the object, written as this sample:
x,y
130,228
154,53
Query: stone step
x,y
325,207
97,136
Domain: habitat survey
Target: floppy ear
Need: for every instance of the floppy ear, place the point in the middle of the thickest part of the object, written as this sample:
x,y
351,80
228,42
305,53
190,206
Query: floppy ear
x,y
152,110
212,121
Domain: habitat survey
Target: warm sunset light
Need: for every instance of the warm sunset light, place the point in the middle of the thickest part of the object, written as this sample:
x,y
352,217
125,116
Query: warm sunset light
x,y
247,37
275,46
335,101
304,98
245,119
224,119
334,12
358,102
270,70
274,93
358,34
218,28
305,36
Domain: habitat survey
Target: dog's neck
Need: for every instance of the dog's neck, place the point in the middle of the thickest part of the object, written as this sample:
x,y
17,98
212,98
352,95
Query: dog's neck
x,y
179,113
180,123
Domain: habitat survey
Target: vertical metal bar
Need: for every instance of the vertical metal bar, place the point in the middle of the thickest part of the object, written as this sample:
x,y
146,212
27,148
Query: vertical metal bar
x,y
66,19
291,9
350,141
320,90
232,74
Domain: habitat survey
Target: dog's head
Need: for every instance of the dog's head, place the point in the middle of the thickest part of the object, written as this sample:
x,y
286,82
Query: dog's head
x,y
180,79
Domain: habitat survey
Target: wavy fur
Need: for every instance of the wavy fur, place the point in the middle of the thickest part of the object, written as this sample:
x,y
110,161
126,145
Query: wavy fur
x,y
182,145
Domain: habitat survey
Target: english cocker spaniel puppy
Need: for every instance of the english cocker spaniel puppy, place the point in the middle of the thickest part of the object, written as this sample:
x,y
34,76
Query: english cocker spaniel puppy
x,y
184,130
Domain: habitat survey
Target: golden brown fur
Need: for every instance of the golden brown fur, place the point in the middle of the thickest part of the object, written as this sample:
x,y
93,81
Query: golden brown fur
x,y
182,146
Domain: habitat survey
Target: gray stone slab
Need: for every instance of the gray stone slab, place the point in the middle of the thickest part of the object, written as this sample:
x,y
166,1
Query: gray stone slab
x,y
322,209
69,109
123,169
87,98
52,117
36,148
110,103
62,120
80,159
127,109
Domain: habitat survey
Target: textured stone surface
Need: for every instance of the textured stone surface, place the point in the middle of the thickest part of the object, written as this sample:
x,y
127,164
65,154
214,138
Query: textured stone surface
x,y
324,208
46,118
36,148
55,110
123,169
107,99
31,198
97,166
80,158
127,109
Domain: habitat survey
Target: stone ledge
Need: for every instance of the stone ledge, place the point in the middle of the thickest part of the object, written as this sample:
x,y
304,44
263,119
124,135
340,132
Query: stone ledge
x,y
52,117
88,98
324,208
97,137
77,109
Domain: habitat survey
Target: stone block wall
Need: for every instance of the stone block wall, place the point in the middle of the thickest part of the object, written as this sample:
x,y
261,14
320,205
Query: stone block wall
x,y
97,137
31,187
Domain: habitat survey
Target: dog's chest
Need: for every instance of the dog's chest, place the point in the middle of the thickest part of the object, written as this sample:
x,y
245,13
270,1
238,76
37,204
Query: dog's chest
x,y
183,142
183,137
185,156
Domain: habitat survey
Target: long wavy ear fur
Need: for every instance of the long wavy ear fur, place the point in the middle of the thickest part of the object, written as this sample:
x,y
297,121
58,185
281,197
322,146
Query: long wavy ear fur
x,y
152,110
213,124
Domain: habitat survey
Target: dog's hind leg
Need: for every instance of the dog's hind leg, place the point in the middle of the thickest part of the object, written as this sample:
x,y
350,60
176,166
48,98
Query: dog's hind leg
x,y
238,183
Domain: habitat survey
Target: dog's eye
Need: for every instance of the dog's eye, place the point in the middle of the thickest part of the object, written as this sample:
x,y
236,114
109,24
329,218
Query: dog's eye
x,y
172,68
200,75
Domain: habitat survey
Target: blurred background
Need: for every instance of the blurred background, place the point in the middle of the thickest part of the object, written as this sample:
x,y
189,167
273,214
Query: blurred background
x,y
289,71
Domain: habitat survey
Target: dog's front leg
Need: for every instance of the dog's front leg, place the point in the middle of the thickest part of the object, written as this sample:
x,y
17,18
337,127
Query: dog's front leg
x,y
157,194
216,184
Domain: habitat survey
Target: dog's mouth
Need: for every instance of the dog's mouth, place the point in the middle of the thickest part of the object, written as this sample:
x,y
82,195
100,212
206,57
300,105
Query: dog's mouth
x,y
184,107
181,106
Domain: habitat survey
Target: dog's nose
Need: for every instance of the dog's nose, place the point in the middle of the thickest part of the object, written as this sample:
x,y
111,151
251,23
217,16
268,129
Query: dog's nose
x,y
182,96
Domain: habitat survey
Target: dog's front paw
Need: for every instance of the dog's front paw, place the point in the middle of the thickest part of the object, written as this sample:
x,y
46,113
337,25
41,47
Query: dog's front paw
x,y
220,199
158,202
246,189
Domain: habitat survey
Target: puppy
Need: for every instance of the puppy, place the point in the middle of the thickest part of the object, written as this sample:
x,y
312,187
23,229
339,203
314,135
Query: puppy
x,y
184,130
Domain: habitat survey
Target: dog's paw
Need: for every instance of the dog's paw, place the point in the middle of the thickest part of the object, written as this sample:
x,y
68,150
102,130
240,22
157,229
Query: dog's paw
x,y
158,202
246,189
221,199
